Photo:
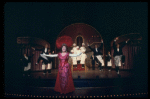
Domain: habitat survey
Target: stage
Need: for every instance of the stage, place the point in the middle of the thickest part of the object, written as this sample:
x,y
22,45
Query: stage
x,y
89,74
92,83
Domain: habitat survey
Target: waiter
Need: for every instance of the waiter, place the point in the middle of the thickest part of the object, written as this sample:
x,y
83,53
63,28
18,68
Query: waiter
x,y
74,59
118,53
83,55
44,51
48,67
78,57
98,54
45,60
26,63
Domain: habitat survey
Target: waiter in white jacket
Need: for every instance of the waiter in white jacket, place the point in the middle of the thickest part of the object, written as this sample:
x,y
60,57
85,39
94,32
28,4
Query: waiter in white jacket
x,y
83,55
78,57
74,59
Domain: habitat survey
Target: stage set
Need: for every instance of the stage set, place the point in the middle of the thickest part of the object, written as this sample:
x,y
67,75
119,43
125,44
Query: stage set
x,y
89,81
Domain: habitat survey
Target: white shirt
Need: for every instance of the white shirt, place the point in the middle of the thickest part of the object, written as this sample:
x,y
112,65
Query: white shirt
x,y
118,48
26,57
45,49
96,49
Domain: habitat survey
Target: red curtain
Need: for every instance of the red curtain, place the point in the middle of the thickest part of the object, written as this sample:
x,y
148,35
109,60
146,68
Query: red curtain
x,y
130,52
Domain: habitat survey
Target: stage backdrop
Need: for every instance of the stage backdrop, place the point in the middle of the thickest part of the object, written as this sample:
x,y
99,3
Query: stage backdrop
x,y
81,33
25,44
130,50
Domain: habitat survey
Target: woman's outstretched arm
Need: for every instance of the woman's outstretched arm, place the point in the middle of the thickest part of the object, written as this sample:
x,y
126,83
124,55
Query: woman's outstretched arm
x,y
75,55
51,55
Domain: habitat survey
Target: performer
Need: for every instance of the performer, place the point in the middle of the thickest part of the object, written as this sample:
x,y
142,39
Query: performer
x,y
44,51
118,54
74,59
108,59
64,82
83,55
48,67
82,48
78,57
98,55
93,61
26,63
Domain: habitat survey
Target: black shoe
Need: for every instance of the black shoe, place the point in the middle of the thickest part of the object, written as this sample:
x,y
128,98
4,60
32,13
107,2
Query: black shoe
x,y
123,64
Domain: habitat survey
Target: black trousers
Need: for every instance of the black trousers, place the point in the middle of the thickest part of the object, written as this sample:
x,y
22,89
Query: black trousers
x,y
78,62
82,65
117,68
100,67
74,65
100,64
49,71
44,60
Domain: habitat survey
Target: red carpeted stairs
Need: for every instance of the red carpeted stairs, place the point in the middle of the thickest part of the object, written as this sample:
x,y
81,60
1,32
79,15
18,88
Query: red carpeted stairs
x,y
79,67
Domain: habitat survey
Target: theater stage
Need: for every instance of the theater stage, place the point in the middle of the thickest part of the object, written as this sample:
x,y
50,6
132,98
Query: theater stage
x,y
89,84
89,74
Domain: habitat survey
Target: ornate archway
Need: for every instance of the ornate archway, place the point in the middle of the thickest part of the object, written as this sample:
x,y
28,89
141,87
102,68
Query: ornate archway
x,y
88,34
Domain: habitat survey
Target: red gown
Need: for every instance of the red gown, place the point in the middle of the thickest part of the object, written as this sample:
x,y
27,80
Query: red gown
x,y
64,82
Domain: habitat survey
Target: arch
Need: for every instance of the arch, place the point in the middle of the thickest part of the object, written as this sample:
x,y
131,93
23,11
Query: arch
x,y
77,38
88,33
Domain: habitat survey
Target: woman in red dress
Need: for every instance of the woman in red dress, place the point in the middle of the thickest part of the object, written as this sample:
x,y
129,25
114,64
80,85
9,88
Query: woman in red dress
x,y
64,81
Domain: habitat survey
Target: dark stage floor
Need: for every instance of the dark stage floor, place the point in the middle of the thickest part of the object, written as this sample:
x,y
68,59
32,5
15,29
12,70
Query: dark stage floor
x,y
90,84
89,74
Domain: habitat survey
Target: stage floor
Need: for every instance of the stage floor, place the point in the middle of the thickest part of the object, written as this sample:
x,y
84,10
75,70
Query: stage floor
x,y
126,84
89,74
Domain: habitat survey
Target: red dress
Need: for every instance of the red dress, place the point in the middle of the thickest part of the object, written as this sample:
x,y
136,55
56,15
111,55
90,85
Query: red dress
x,y
64,82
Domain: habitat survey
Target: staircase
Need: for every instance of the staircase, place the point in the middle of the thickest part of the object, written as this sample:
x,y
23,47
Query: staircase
x,y
79,68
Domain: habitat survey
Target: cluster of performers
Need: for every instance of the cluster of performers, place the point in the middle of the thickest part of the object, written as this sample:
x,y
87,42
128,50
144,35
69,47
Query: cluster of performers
x,y
97,55
64,81
46,63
